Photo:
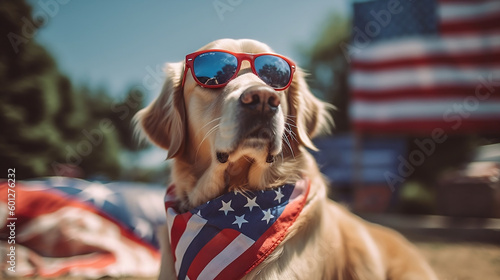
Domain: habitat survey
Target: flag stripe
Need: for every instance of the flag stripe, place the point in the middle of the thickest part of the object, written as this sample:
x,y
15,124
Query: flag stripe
x,y
206,234
77,264
482,91
210,250
458,11
237,247
472,17
418,47
179,223
485,24
464,59
170,221
418,127
423,76
431,109
464,1
193,227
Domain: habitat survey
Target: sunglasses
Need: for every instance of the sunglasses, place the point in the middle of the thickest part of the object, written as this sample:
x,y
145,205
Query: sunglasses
x,y
215,68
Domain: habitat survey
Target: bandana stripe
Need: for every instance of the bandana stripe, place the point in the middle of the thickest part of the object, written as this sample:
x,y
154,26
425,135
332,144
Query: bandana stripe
x,y
211,250
239,245
179,223
193,227
203,237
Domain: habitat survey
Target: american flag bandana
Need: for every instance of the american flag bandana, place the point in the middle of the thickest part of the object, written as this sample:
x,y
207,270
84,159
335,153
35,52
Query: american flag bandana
x,y
230,235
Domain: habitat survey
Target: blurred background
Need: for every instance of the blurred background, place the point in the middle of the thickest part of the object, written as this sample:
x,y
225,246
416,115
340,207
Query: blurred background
x,y
416,85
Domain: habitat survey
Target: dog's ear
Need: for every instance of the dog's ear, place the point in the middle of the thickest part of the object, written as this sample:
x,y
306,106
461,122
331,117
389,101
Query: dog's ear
x,y
163,121
311,116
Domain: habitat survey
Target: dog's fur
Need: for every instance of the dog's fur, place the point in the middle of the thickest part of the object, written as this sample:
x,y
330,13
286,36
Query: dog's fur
x,y
217,145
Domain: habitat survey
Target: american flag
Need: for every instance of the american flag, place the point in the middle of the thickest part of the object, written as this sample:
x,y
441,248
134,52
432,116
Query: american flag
x,y
421,65
230,235
73,227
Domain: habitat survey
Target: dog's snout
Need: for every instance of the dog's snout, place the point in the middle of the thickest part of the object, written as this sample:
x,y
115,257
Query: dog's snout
x,y
260,98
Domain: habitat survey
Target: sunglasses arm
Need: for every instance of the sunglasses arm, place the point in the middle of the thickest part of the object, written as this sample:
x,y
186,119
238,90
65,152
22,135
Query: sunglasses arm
x,y
184,75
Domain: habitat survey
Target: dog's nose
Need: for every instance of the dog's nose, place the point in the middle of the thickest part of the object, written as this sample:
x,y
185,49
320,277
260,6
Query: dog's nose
x,y
260,98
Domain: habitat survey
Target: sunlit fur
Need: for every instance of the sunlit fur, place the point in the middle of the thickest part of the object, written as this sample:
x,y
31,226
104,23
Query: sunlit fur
x,y
326,242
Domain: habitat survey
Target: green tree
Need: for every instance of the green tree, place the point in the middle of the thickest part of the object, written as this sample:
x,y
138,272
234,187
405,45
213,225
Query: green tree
x,y
32,93
48,126
329,67
122,113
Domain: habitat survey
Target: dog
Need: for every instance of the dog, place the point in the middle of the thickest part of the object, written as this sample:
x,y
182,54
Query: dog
x,y
237,118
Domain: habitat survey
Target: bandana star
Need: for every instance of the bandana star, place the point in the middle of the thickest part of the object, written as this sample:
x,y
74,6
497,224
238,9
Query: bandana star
x,y
226,207
279,195
267,216
251,203
240,220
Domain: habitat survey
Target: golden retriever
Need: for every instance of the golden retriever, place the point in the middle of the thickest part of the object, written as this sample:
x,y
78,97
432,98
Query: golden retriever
x,y
247,136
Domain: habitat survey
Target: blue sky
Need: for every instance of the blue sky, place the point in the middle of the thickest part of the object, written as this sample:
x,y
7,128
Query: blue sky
x,y
112,43
117,43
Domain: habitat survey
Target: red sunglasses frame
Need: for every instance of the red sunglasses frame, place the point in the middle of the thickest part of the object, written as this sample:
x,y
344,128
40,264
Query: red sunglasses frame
x,y
250,57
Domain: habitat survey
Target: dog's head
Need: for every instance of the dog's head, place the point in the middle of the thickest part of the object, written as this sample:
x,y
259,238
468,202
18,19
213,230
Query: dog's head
x,y
243,135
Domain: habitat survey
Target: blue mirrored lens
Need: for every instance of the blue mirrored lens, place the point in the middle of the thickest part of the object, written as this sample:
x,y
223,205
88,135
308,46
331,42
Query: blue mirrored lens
x,y
214,68
273,70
